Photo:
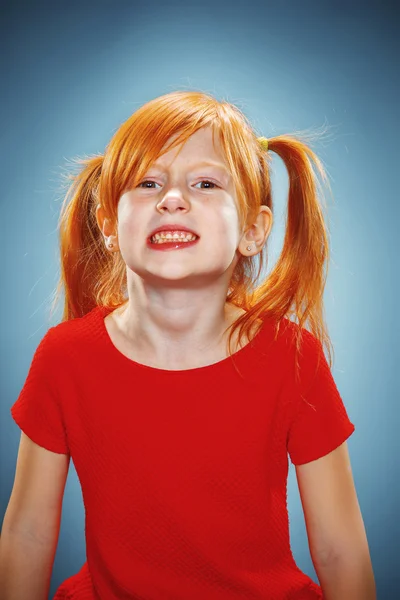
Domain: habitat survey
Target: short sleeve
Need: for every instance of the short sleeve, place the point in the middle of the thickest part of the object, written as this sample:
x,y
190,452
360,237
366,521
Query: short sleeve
x,y
320,422
37,410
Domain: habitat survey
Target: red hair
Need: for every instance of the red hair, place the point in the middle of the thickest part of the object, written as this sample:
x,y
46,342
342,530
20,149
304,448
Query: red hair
x,y
91,276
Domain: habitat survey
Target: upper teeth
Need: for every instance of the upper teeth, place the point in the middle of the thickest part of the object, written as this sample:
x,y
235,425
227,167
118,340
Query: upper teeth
x,y
173,235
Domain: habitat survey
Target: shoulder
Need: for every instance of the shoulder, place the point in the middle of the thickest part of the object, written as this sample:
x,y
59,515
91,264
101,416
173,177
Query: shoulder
x,y
293,350
288,331
285,333
299,343
78,332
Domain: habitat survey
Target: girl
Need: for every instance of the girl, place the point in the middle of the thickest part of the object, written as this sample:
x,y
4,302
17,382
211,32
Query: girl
x,y
179,385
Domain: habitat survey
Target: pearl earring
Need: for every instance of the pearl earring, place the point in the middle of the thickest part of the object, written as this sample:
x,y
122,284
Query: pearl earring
x,y
249,248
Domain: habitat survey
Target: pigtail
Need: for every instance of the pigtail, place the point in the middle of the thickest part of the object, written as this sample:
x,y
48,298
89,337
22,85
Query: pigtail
x,y
295,286
88,273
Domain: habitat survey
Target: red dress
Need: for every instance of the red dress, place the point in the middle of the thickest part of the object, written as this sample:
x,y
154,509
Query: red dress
x,y
183,473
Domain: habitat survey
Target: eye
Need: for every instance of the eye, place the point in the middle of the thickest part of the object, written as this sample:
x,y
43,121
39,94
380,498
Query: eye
x,y
147,181
207,181
143,183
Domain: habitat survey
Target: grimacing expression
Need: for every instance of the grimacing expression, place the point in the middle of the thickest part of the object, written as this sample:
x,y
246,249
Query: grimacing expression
x,y
182,187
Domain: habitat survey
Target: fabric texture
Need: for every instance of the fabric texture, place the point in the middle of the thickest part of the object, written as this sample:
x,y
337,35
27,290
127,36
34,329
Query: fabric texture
x,y
183,473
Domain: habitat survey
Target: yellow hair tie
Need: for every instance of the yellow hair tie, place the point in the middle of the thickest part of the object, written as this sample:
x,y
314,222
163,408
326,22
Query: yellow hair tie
x,y
264,143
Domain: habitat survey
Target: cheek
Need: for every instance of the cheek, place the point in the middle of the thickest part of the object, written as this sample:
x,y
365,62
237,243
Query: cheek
x,y
227,225
127,236
130,225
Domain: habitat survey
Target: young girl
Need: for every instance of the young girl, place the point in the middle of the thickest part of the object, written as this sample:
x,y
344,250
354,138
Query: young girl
x,y
178,383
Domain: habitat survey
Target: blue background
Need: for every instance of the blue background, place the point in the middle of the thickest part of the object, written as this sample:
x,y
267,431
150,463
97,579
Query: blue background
x,y
73,73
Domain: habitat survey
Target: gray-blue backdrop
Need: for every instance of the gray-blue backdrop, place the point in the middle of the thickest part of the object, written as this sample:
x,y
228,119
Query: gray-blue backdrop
x,y
72,73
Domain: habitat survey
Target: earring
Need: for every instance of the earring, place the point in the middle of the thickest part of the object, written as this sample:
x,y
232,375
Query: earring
x,y
249,248
110,244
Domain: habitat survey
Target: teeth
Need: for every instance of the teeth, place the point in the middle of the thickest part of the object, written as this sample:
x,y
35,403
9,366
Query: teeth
x,y
168,236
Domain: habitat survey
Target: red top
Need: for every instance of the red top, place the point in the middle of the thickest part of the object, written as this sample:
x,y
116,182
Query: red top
x,y
183,473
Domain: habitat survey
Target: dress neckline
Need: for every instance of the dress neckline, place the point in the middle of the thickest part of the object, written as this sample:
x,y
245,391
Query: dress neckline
x,y
244,354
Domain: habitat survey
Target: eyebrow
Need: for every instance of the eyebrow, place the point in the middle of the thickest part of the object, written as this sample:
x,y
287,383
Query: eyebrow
x,y
204,163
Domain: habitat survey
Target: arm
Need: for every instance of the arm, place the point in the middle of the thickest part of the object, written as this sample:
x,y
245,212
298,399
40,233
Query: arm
x,y
25,566
347,576
31,523
335,528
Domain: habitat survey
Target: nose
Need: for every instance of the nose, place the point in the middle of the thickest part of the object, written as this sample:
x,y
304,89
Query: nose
x,y
172,201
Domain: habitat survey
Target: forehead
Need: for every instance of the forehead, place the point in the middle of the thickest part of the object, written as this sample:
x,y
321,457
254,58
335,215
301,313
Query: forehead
x,y
200,149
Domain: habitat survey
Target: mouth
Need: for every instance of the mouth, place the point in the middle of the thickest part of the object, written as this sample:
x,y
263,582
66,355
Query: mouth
x,y
168,240
172,237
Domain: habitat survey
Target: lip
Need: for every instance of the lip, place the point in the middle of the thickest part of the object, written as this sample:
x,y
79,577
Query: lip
x,y
172,227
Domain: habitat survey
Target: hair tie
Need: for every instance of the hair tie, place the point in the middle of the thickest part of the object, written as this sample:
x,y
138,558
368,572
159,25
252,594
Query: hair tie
x,y
263,143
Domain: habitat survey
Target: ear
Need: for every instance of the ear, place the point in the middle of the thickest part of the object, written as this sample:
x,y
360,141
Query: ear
x,y
103,222
257,234
105,226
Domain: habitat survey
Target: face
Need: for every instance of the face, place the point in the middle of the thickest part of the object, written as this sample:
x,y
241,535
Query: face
x,y
181,189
